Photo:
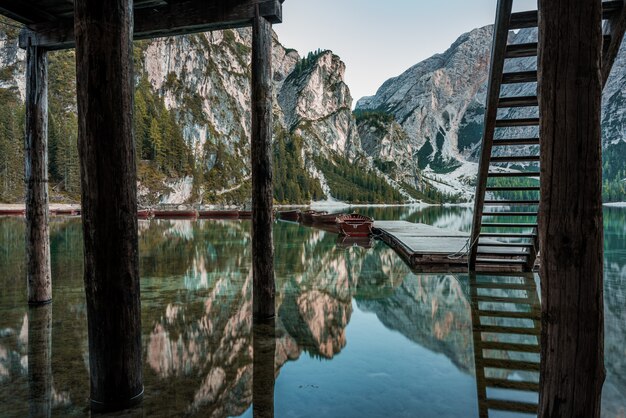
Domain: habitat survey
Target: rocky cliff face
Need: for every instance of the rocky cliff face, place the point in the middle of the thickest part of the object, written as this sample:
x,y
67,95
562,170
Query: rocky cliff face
x,y
440,102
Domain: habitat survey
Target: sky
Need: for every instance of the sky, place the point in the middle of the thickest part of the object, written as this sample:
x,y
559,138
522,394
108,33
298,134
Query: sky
x,y
380,39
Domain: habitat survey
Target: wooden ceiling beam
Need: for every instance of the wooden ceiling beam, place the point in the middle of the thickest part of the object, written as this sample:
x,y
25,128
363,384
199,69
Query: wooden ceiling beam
x,y
24,13
177,17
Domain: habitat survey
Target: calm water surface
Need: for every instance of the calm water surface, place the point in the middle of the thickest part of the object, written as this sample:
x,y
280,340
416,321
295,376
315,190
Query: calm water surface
x,y
358,334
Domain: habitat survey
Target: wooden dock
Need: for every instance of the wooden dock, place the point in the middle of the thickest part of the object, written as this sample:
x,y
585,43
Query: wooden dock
x,y
427,248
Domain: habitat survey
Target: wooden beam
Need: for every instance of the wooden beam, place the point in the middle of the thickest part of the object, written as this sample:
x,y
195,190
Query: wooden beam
x,y
36,176
40,361
104,79
24,12
570,214
175,18
498,52
264,368
614,28
262,175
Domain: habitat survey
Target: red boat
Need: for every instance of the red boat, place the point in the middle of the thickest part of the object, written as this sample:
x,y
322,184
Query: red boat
x,y
218,214
144,214
307,216
12,212
175,214
326,218
289,215
67,212
355,225
245,214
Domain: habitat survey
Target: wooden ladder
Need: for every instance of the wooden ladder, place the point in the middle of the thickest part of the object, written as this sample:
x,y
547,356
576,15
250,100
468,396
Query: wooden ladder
x,y
506,331
508,238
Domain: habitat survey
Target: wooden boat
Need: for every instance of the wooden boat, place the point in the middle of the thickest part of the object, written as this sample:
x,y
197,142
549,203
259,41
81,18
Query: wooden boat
x,y
326,218
144,214
355,225
67,212
218,214
245,214
289,215
12,212
307,216
175,214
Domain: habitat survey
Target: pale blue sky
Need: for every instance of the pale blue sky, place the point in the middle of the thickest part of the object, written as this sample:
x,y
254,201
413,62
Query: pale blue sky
x,y
379,39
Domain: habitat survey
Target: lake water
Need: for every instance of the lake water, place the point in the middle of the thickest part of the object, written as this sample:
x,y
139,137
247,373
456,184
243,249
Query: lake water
x,y
358,333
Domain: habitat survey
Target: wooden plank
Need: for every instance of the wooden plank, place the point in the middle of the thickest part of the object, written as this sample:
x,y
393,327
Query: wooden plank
x,y
510,364
511,123
38,271
515,142
264,304
513,384
40,361
518,101
25,12
521,50
515,159
571,232
519,348
104,58
498,51
506,314
512,406
516,174
175,18
519,77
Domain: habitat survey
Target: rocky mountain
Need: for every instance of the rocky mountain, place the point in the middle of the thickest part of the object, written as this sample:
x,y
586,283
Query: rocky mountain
x,y
439,104
192,124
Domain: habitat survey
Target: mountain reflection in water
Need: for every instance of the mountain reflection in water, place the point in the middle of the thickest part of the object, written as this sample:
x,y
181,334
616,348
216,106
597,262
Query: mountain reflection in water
x,y
348,317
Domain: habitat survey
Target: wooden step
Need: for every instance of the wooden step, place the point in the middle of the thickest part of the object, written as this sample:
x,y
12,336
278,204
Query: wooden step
x,y
510,214
518,101
508,225
512,406
487,253
504,286
516,158
511,364
534,316
501,299
522,20
611,8
520,348
500,261
512,384
511,202
520,77
497,329
513,123
505,244
521,50
513,189
515,142
515,174
507,235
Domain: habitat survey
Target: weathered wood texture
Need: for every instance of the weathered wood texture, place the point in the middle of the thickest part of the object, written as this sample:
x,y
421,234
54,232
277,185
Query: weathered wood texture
x,y
40,361
36,177
175,18
262,177
570,233
109,200
264,368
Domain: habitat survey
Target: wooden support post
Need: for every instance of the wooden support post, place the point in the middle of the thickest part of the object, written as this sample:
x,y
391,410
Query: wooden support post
x,y
264,368
36,176
262,177
570,216
40,360
104,77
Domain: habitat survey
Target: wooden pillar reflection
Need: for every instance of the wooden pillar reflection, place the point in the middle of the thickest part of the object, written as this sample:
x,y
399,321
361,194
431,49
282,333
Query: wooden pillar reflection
x,y
36,177
264,374
262,177
570,215
40,361
104,57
